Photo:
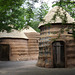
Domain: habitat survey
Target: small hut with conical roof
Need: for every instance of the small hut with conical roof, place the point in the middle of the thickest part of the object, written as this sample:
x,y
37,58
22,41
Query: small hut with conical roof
x,y
56,46
15,46
33,45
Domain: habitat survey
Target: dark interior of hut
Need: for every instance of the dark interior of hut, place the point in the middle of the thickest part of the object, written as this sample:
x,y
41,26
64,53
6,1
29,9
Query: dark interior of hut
x,y
59,54
4,52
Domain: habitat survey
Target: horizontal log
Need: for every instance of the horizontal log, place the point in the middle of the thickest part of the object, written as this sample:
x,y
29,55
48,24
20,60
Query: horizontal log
x,y
30,44
13,40
18,50
35,49
33,53
19,53
24,46
71,56
71,45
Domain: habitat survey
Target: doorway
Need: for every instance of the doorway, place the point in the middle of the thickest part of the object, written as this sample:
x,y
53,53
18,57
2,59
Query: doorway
x,y
58,54
4,52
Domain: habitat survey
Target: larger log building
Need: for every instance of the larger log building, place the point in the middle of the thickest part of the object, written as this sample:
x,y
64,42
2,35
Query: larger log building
x,y
56,46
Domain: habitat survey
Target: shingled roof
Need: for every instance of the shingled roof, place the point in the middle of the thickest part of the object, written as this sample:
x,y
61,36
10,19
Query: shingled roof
x,y
51,13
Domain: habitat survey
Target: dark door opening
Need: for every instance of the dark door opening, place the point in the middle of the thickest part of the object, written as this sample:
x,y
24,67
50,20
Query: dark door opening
x,y
4,52
58,54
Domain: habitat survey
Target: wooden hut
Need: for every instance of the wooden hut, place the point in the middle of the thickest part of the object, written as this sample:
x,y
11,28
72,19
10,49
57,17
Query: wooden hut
x,y
56,46
14,45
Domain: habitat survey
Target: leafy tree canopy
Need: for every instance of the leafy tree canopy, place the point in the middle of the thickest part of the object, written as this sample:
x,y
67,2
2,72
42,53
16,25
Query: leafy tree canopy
x,y
33,15
10,14
39,14
14,16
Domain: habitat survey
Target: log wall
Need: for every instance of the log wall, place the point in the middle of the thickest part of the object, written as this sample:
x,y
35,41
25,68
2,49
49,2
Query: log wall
x,y
33,45
70,54
48,35
18,49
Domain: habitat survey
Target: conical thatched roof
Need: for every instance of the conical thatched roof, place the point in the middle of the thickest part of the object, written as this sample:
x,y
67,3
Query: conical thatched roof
x,y
29,30
13,34
51,13
17,34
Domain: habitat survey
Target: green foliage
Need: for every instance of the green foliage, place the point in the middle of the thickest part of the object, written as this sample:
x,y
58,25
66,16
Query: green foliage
x,y
14,16
11,15
43,10
29,14
74,34
69,6
35,15
34,25
73,29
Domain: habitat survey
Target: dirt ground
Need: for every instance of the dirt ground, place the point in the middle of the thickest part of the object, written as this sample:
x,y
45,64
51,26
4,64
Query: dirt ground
x,y
30,68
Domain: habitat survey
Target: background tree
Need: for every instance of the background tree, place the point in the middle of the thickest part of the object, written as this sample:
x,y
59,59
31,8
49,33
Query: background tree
x,y
33,15
10,14
39,14
69,6
14,16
